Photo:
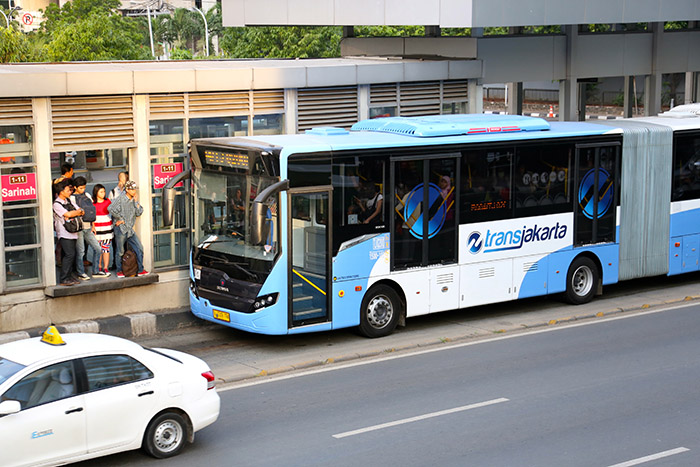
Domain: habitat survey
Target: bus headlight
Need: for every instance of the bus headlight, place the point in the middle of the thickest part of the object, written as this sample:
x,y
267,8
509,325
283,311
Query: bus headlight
x,y
265,301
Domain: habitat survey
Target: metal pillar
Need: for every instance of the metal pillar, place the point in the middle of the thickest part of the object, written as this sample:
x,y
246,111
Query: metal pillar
x,y
630,97
691,87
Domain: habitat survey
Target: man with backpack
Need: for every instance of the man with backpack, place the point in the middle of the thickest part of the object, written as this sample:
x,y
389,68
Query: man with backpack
x,y
87,235
124,210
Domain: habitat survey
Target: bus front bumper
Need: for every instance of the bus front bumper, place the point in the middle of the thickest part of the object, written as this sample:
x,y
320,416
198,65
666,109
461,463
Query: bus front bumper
x,y
270,320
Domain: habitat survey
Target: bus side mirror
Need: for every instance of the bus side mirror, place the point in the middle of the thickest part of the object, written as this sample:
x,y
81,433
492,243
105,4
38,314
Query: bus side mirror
x,y
259,223
168,197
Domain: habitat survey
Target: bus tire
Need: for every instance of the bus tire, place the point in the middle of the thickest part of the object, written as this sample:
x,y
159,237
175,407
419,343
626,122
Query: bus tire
x,y
166,435
380,312
581,281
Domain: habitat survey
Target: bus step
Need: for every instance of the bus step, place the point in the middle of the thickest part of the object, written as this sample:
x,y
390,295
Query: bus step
x,y
302,298
311,313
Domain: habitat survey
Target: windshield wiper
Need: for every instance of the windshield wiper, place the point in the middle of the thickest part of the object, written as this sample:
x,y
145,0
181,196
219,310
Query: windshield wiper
x,y
236,265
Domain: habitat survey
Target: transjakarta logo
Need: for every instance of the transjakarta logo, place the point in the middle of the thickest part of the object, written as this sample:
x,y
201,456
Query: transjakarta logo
x,y
513,239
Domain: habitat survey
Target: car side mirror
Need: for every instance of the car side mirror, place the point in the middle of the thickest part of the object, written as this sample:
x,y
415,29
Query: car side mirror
x,y
9,407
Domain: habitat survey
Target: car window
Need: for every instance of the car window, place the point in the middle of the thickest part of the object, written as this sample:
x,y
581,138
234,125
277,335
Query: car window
x,y
8,368
45,385
105,371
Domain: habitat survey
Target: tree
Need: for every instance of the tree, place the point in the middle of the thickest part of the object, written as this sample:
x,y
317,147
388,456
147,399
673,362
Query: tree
x,y
14,46
90,30
281,42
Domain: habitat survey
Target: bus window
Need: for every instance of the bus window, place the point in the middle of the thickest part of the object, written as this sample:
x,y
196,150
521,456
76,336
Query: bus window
x,y
359,196
486,184
542,180
686,167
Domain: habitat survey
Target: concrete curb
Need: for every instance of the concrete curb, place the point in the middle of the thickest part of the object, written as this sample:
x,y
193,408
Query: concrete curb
x,y
126,326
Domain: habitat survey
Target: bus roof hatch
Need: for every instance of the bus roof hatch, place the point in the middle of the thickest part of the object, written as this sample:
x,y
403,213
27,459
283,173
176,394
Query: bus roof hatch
x,y
452,125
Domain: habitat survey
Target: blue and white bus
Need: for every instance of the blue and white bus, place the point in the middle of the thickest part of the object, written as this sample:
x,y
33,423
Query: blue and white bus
x,y
401,217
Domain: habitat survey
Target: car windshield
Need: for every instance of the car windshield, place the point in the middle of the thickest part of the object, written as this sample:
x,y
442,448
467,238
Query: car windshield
x,y
8,368
222,214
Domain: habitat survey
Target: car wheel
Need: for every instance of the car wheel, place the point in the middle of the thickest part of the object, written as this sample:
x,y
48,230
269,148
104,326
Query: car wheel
x,y
380,312
165,435
581,281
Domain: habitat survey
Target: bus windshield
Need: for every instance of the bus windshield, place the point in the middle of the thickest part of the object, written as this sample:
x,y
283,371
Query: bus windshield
x,y
222,215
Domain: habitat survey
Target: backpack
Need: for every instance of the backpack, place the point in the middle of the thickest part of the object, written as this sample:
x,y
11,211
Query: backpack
x,y
130,266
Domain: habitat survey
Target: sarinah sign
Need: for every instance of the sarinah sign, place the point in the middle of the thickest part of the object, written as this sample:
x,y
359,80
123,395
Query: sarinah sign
x,y
162,173
18,187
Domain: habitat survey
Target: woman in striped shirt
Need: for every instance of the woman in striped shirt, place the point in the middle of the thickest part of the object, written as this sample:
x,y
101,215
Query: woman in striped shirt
x,y
103,228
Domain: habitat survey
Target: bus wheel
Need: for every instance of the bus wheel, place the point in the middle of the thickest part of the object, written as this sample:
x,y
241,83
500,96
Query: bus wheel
x,y
581,281
380,312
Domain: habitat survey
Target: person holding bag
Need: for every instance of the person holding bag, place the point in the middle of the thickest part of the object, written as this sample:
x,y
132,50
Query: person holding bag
x,y
86,236
67,224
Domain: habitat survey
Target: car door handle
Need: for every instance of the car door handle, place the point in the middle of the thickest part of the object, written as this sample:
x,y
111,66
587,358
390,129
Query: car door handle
x,y
77,409
147,393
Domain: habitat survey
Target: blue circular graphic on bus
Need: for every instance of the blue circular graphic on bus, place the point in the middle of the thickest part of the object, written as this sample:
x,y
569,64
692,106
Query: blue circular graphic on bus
x,y
413,211
586,195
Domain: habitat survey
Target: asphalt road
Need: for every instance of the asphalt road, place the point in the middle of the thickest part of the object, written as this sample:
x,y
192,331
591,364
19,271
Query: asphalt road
x,y
616,391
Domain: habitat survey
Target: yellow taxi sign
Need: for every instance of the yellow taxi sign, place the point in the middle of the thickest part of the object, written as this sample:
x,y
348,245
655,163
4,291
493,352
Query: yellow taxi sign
x,y
51,336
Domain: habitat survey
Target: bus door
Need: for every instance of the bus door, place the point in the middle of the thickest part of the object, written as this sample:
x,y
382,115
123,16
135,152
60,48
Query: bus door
x,y
309,247
424,210
596,193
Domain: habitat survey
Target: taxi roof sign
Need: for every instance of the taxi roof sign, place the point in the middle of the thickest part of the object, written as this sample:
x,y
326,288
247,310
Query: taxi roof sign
x,y
52,337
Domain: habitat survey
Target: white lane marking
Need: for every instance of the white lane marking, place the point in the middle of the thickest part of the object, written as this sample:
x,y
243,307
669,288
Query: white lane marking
x,y
653,457
341,366
419,418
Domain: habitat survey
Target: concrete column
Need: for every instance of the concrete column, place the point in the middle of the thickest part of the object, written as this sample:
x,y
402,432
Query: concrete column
x,y
140,172
628,106
652,82
290,115
363,101
568,100
477,32
652,94
475,95
42,153
515,98
569,89
433,31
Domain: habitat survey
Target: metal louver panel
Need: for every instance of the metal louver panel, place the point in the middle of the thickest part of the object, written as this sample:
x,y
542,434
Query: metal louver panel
x,y
92,122
165,106
383,94
268,102
15,111
454,90
419,99
327,107
214,104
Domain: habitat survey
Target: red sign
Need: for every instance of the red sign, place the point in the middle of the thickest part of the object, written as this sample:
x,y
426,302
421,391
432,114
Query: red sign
x,y
162,173
27,19
18,187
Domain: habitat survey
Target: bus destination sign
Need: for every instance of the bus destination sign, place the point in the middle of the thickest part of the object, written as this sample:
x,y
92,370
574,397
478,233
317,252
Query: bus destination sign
x,y
235,160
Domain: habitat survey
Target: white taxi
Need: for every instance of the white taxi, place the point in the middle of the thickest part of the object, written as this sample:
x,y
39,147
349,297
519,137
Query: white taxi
x,y
78,396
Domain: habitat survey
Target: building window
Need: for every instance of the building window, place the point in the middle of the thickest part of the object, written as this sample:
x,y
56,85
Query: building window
x,y
20,209
171,244
98,166
272,124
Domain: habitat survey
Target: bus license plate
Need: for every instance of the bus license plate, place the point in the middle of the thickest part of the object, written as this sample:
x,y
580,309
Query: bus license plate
x,y
222,316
